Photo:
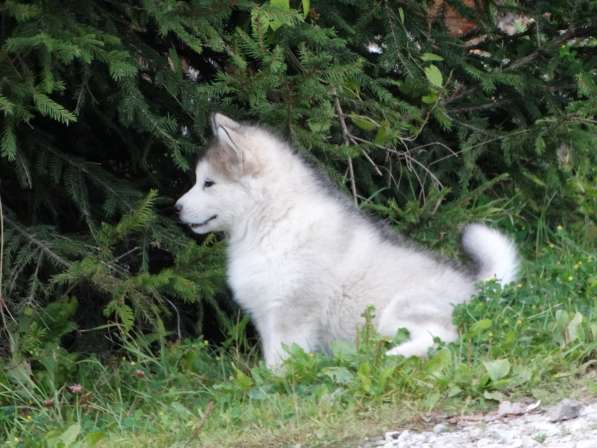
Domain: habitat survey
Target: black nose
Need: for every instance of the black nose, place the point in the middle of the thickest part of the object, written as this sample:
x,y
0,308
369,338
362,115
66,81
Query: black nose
x,y
178,207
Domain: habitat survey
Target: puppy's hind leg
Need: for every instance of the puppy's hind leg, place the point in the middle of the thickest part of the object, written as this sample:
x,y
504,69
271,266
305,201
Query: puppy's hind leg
x,y
421,339
422,319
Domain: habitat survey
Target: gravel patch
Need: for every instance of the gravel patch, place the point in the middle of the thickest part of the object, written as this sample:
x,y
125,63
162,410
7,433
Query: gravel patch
x,y
568,424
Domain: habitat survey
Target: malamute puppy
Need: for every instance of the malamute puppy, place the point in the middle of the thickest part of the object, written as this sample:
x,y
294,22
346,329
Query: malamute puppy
x,y
305,263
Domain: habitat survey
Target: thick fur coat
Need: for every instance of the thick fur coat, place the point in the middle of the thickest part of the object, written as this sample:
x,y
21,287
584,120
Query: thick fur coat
x,y
305,263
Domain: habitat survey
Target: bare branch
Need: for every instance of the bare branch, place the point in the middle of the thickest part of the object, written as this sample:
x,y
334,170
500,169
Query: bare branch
x,y
347,141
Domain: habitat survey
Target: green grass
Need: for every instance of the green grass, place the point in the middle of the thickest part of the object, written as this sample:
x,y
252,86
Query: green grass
x,y
535,338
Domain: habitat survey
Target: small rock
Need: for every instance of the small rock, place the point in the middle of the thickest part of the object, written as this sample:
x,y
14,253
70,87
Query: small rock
x,y
528,442
544,429
393,435
440,428
488,443
565,410
475,432
373,442
586,444
508,408
504,435
408,439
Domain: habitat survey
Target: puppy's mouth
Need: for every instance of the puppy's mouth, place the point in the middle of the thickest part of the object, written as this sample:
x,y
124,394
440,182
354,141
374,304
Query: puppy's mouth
x,y
201,224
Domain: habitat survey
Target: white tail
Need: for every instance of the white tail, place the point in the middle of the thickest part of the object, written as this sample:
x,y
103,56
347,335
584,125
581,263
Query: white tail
x,y
494,252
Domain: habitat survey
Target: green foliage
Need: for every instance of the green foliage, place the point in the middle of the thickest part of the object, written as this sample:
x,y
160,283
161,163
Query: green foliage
x,y
104,107
527,339
142,295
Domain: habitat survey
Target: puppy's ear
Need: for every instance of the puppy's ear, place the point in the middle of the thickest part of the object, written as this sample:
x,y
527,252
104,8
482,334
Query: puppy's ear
x,y
225,129
229,135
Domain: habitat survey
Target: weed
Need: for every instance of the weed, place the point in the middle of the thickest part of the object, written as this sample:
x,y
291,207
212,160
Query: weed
x,y
530,338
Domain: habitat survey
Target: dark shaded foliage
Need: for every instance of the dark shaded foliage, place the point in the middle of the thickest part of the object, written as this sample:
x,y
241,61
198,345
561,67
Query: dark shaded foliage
x,y
104,107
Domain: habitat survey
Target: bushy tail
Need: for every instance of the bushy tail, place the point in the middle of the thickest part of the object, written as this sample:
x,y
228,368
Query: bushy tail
x,y
494,253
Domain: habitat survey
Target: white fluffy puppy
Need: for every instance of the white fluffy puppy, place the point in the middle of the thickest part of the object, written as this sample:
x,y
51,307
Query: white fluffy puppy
x,y
305,263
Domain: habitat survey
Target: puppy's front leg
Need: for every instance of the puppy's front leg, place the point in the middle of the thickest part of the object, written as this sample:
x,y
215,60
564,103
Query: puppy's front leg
x,y
278,332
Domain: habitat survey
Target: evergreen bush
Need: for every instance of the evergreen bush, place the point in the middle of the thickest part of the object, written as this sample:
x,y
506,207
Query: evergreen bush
x,y
467,110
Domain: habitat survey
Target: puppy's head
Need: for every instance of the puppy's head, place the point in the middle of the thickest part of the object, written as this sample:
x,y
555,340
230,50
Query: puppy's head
x,y
225,177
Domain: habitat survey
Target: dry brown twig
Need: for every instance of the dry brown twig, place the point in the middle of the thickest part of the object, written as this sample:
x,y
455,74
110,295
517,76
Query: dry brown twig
x,y
208,410
411,161
347,141
406,155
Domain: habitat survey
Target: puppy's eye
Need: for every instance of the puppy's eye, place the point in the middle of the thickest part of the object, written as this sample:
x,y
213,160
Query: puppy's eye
x,y
208,183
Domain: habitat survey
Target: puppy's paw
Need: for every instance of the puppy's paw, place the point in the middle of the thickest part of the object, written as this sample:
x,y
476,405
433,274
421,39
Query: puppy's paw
x,y
410,348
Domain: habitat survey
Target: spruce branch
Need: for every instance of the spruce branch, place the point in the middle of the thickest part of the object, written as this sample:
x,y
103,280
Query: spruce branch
x,y
43,246
4,310
525,60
